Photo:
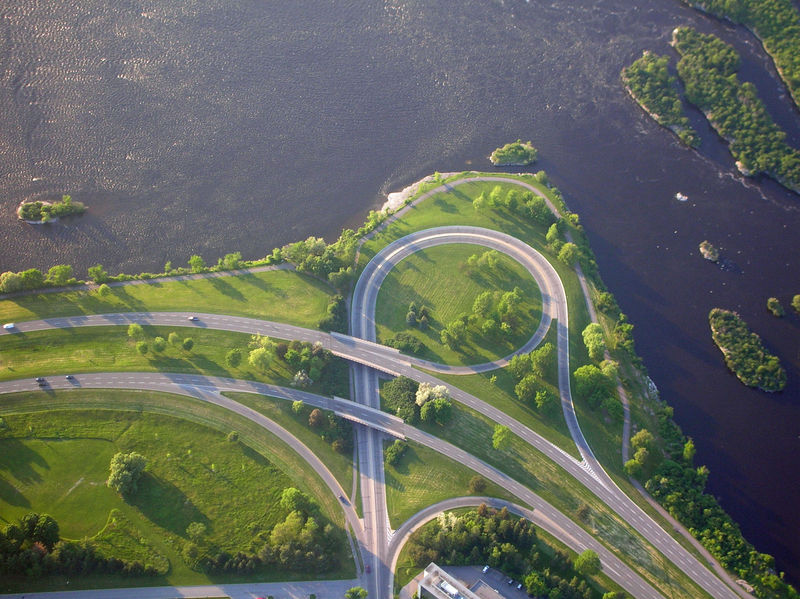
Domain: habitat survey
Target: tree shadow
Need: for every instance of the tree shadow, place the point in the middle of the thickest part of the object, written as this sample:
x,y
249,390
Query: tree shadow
x,y
11,495
18,460
165,505
226,288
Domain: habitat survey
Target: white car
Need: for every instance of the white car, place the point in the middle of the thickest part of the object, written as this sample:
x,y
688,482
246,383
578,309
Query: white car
x,y
9,326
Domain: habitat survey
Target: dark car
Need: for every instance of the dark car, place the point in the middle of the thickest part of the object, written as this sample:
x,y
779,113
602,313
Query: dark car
x,y
39,379
193,318
69,377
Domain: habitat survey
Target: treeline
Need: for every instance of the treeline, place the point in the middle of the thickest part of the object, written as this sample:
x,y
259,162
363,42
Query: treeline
x,y
708,69
303,541
650,84
744,353
777,25
44,212
32,547
505,542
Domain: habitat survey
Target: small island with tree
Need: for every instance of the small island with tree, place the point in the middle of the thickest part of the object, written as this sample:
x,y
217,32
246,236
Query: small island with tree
x,y
709,252
40,212
516,153
649,83
744,353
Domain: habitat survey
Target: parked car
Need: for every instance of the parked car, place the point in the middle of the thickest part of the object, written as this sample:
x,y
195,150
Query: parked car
x,y
485,569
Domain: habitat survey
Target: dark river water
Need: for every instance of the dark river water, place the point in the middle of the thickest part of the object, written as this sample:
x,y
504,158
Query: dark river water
x,y
209,126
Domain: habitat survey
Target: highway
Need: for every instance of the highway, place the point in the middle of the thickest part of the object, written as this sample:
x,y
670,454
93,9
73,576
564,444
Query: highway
x,y
368,357
210,389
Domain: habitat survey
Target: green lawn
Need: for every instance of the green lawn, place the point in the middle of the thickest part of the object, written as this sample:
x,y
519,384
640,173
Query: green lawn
x,y
440,279
472,432
500,393
423,477
280,411
59,444
280,295
101,349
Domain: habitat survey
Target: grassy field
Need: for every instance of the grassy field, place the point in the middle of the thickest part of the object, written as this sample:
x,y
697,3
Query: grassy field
x,y
440,279
472,432
280,411
55,445
101,349
280,295
423,477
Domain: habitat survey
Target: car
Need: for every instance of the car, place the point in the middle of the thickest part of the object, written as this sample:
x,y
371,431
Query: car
x,y
519,586
69,377
39,379
485,569
510,581
9,326
193,318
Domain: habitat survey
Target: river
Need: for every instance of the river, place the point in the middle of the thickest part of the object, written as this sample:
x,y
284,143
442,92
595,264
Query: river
x,y
209,126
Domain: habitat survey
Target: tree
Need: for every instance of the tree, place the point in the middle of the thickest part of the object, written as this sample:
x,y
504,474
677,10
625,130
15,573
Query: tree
x,y
301,379
260,358
125,471
141,347
689,451
526,389
196,263
400,397
437,410
356,593
796,303
230,261
196,530
395,451
542,359
482,303
159,344
10,282
535,584
316,418
545,400
477,485
774,306
593,340
188,344
32,278
98,274
135,331
479,203
568,253
233,358
294,500
592,385
104,290
60,274
427,392
588,563
39,528
297,406
501,439
643,438
174,339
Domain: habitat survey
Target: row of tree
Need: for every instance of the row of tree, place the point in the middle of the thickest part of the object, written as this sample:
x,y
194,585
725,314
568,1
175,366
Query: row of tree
x,y
510,544
32,547
649,82
303,540
414,402
775,22
708,68
744,352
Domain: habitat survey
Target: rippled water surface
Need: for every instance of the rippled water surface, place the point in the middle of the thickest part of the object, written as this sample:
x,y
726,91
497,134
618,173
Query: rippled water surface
x,y
213,126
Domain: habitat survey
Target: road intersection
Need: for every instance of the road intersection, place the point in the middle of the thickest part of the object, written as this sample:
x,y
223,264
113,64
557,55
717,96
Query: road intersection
x,y
373,532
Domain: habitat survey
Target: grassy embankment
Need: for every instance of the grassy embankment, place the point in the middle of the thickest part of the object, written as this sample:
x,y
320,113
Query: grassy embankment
x,y
56,454
280,295
423,477
440,279
454,206
101,349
